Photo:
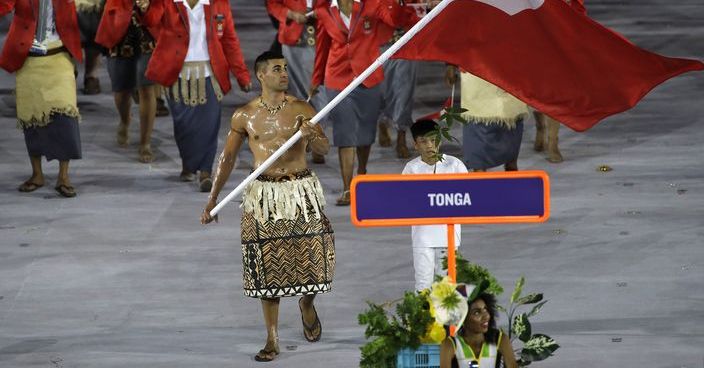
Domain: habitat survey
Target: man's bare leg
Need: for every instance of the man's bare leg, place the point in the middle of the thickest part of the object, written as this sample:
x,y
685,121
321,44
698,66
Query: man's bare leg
x,y
511,166
539,144
91,83
123,104
384,133
401,147
63,184
147,114
346,155
554,154
312,330
35,181
270,307
363,157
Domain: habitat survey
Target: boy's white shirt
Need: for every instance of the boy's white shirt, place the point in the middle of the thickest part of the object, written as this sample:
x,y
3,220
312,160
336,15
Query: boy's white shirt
x,y
434,236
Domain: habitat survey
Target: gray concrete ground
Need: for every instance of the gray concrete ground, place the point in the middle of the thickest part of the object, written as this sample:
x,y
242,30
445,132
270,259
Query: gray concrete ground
x,y
125,276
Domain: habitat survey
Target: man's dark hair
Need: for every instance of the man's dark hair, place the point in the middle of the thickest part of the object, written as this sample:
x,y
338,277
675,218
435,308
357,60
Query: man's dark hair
x,y
422,127
264,58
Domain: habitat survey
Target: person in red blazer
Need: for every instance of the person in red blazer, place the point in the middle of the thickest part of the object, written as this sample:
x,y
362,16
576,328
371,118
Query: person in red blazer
x,y
297,38
398,87
130,45
196,49
45,84
347,43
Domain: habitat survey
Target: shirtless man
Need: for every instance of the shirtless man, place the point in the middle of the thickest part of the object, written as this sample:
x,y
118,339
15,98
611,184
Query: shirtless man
x,y
296,257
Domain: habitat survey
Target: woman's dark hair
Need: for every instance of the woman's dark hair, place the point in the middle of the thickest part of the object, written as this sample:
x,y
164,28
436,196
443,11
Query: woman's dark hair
x,y
492,335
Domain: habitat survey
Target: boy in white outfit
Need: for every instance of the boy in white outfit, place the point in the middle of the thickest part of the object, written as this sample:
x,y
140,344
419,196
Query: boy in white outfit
x,y
430,241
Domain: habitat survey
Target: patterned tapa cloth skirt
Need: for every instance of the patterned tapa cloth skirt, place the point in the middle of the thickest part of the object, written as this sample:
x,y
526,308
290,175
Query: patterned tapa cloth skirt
x,y
288,245
46,107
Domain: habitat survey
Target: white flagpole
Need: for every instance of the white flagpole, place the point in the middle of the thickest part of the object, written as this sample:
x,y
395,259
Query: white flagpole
x,y
356,82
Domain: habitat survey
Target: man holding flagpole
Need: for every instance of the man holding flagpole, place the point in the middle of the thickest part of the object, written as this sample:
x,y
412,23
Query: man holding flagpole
x,y
287,242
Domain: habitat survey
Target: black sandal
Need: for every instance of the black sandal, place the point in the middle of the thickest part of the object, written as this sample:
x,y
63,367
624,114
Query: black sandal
x,y
29,186
265,355
310,329
65,190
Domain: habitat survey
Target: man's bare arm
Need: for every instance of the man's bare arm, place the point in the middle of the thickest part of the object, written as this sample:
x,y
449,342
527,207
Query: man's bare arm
x,y
226,163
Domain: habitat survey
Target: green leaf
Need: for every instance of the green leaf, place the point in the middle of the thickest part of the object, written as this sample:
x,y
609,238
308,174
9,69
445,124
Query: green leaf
x,y
521,327
537,308
530,299
500,308
539,347
517,289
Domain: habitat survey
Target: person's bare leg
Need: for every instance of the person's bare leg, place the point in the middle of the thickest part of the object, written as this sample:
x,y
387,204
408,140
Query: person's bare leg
x,y
147,114
363,158
91,83
63,174
123,103
554,154
539,144
479,170
401,147
384,133
63,184
309,315
511,166
270,309
346,155
35,181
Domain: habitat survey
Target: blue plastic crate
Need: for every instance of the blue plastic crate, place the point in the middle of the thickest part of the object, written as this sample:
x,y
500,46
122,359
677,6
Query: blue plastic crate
x,y
426,356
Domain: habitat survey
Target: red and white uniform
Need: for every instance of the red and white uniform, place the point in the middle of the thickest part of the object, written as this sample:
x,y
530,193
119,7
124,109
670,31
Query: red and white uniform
x,y
24,25
172,46
345,47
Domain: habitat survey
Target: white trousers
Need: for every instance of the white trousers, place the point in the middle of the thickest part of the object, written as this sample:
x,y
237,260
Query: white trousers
x,y
427,262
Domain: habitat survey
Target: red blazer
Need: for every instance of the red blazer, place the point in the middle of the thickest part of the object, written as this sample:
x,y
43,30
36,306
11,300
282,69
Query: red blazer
x,y
341,55
166,61
289,31
115,22
24,24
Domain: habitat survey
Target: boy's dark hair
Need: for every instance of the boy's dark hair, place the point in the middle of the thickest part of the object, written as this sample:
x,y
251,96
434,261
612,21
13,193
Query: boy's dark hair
x,y
264,58
422,127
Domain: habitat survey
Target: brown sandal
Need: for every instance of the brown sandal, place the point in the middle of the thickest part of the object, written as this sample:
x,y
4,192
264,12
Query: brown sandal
x,y
65,190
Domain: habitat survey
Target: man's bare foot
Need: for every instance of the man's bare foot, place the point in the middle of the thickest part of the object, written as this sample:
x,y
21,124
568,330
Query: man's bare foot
x,y
539,144
64,188
205,182
122,135
312,329
344,199
145,154
384,134
269,353
554,155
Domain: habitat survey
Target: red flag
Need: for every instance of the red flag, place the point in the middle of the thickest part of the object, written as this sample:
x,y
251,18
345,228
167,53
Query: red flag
x,y
546,54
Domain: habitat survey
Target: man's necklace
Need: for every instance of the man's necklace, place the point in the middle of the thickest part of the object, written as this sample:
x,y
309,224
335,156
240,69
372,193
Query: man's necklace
x,y
273,110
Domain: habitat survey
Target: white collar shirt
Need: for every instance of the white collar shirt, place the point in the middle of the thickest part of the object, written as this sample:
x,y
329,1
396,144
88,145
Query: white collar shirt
x,y
197,41
347,20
